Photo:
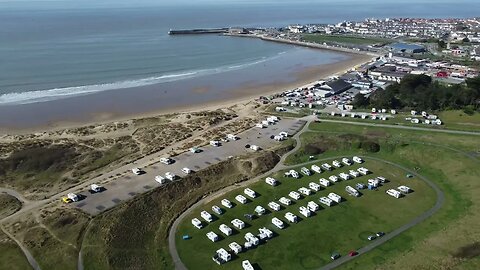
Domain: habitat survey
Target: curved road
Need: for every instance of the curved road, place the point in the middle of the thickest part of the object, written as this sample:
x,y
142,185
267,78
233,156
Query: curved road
x,y
280,166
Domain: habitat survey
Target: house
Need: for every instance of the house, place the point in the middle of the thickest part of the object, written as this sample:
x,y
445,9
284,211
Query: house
x,y
336,86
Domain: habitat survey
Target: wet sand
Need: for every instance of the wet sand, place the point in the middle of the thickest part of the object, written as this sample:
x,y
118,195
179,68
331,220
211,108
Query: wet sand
x,y
201,93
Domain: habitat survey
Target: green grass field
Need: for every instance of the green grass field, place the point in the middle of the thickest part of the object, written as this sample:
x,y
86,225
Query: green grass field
x,y
11,256
319,38
309,243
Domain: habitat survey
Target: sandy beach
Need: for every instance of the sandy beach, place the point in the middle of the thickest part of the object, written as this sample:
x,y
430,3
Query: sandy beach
x,y
199,94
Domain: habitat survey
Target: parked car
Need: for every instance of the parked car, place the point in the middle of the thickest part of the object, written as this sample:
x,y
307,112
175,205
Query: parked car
x,y
352,253
380,234
371,237
335,256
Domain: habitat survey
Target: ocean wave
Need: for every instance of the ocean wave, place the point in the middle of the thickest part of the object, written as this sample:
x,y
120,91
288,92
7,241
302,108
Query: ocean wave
x,y
27,97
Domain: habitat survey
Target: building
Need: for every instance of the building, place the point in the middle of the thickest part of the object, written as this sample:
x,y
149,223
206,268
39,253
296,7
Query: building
x,y
336,87
406,48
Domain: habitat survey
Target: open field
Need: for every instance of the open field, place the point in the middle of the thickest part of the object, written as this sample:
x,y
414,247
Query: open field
x,y
8,205
320,38
445,240
309,243
11,257
461,121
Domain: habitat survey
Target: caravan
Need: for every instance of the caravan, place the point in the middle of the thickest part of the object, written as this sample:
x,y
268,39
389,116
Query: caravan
x,y
316,168
394,193
305,211
237,223
305,191
351,191
235,247
306,171
333,178
294,195
314,186
206,216
326,201
335,197
271,181
250,193
241,199
225,230
227,203
274,206
278,223
212,236
312,206
346,161
197,223
285,201
291,217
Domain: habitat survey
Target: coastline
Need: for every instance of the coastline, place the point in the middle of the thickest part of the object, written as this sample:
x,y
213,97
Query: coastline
x,y
239,95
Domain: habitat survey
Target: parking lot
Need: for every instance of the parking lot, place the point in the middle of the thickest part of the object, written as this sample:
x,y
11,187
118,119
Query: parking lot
x,y
129,185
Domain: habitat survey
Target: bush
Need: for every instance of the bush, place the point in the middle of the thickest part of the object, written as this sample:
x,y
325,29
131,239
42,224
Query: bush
x,y
469,110
312,149
370,146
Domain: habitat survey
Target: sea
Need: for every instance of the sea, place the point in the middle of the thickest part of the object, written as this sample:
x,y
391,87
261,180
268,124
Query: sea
x,y
58,49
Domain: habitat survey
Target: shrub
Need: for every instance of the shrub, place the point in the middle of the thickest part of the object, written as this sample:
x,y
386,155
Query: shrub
x,y
370,146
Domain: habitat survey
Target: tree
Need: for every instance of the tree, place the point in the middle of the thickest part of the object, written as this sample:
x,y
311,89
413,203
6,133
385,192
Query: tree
x,y
360,101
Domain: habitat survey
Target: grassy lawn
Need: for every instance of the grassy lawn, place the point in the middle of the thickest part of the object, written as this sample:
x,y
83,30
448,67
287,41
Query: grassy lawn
x,y
319,38
309,243
11,256
460,120
451,161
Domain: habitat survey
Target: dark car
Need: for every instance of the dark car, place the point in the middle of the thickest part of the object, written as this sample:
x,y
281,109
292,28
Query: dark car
x,y
335,256
380,234
352,253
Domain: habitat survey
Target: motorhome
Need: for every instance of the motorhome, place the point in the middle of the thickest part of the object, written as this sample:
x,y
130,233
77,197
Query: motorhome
x,y
346,161
271,181
291,217
294,174
285,201
363,171
212,236
221,256
237,223
404,189
137,171
73,197
306,171
96,188
327,167
206,216
394,193
312,206
357,160
160,179
235,247
232,137
334,197
215,143
259,210
326,201
241,199
351,191
324,182
250,193
354,173
266,232
305,191
170,176
217,210
252,239
186,170
336,163
305,211
381,179
316,168
278,223
197,223
225,229
333,178
246,265
259,125
227,203
344,176
294,195
166,161
314,186
274,206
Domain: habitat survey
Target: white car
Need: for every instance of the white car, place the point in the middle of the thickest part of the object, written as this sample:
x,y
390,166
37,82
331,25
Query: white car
x,y
166,161
186,170
96,188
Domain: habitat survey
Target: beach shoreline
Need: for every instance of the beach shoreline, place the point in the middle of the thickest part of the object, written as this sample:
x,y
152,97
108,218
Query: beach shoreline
x,y
240,95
